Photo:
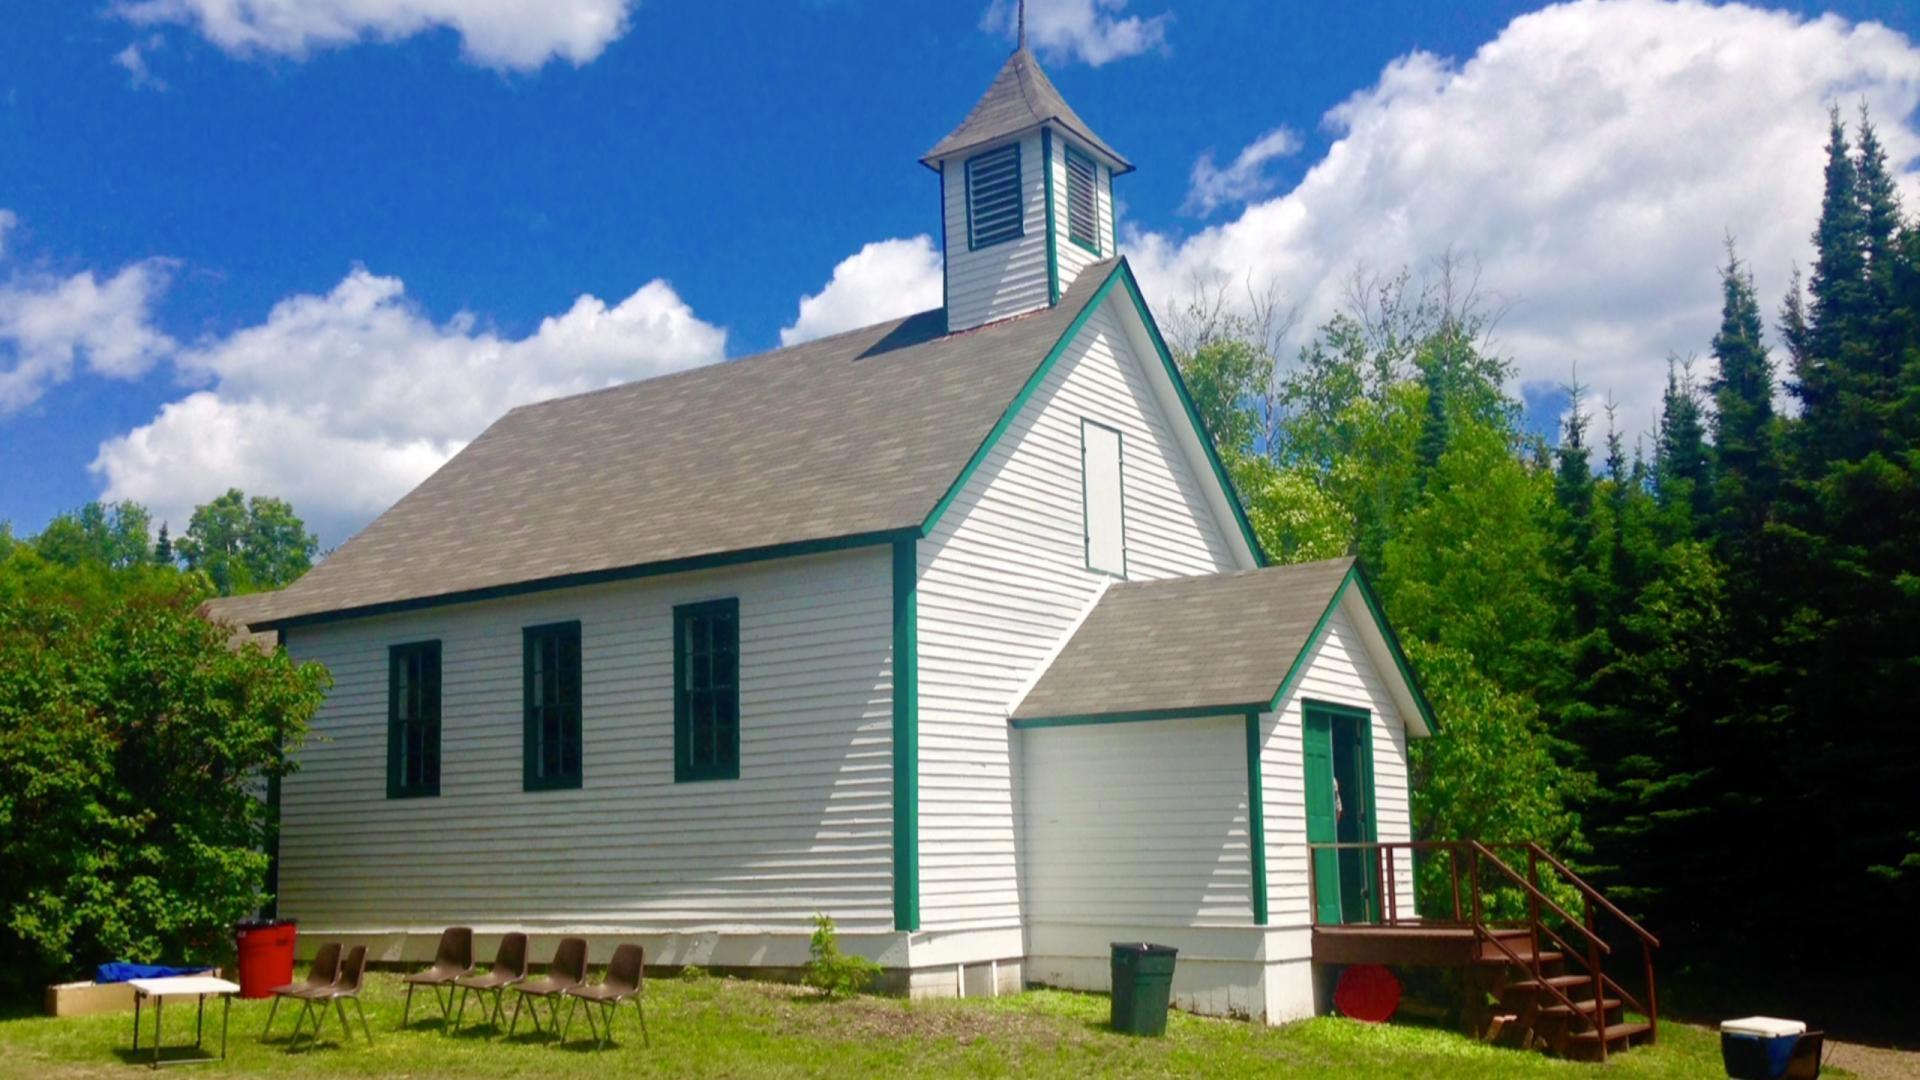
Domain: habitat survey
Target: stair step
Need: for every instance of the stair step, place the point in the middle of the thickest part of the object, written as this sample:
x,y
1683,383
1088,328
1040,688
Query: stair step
x,y
1579,1006
1614,1033
1499,959
1562,982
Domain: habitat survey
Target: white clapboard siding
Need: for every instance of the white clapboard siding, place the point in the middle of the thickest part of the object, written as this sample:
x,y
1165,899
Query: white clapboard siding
x,y
1003,579
1140,824
1340,672
807,827
1006,278
1071,257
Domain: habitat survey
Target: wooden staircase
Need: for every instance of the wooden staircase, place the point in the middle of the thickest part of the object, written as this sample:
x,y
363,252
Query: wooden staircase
x,y
1538,981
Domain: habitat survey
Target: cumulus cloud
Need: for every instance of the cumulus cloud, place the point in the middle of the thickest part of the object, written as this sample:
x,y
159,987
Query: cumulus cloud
x,y
1093,31
342,402
1592,157
883,280
49,325
1210,187
508,34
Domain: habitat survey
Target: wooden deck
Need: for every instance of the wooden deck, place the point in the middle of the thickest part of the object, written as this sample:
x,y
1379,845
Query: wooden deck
x,y
1409,944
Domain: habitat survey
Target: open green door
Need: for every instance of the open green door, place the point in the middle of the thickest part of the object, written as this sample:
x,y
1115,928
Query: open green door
x,y
1322,823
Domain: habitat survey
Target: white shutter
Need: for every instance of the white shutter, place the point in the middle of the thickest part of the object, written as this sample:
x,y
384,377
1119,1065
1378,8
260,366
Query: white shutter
x,y
1105,516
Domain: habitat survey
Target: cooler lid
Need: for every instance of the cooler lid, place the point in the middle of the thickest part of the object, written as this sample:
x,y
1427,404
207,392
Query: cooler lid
x,y
1765,1026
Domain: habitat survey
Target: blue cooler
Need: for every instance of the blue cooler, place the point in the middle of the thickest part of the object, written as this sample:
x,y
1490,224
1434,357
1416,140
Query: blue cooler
x,y
1759,1047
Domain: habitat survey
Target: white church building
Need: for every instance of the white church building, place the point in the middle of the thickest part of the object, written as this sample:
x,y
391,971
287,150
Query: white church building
x,y
951,628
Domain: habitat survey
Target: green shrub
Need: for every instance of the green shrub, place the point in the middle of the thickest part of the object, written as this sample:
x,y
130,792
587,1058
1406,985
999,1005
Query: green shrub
x,y
694,973
832,972
135,746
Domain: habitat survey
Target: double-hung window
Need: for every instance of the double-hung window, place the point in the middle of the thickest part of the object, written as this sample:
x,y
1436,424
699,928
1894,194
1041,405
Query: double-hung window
x,y
551,739
1083,213
706,694
995,210
413,720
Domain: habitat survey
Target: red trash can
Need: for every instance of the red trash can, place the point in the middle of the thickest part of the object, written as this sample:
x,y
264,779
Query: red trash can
x,y
264,949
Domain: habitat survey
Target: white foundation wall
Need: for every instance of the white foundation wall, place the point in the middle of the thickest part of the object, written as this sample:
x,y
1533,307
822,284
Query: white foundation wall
x,y
720,872
1003,580
1340,671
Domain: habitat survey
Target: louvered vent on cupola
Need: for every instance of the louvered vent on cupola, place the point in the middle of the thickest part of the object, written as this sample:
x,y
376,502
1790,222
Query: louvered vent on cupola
x,y
994,207
1026,191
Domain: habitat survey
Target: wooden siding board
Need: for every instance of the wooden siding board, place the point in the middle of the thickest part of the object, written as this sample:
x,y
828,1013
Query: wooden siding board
x,y
808,826
1004,579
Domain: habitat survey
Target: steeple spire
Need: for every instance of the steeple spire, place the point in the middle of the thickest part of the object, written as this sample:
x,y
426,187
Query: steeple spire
x,y
1022,23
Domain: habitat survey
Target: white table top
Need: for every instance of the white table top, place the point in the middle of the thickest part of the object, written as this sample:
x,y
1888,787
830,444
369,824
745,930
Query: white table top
x,y
182,984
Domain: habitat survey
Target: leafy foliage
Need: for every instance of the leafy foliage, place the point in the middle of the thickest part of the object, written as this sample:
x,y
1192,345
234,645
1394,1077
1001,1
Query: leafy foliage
x,y
134,744
243,544
834,973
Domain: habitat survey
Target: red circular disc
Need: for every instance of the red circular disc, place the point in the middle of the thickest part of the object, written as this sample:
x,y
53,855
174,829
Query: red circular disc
x,y
1367,992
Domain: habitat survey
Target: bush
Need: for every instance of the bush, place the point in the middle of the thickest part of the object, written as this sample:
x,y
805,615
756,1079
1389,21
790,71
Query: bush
x,y
134,750
694,973
832,972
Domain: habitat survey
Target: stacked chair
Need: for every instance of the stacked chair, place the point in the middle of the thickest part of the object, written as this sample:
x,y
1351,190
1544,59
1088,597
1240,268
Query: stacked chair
x,y
453,959
345,987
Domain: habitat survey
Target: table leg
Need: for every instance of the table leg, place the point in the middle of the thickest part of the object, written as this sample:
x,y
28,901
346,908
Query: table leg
x,y
136,1020
159,1013
199,1021
224,1014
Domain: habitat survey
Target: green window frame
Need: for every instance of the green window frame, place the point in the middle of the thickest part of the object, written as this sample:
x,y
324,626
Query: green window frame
x,y
551,682
1083,206
413,720
706,691
996,205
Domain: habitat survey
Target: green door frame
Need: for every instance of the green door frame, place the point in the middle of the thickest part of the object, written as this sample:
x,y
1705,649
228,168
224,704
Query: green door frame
x,y
1317,720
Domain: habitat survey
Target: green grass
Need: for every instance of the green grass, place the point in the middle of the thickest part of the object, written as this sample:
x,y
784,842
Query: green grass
x,y
716,1027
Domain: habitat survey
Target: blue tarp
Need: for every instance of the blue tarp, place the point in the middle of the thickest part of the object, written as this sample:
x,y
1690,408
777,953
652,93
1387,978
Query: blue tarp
x,y
120,971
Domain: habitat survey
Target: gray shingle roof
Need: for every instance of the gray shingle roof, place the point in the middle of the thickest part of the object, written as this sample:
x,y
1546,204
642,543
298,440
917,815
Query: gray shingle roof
x,y
854,434
1187,643
1020,98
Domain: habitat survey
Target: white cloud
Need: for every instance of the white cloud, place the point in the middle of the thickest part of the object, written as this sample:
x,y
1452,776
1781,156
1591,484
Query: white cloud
x,y
343,402
8,219
1093,31
510,34
883,280
48,325
1592,156
133,59
1210,187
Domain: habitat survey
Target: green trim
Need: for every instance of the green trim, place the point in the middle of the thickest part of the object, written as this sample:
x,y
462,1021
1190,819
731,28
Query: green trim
x,y
1019,402
1256,821
906,736
529,780
1086,516
1092,242
1185,712
1393,649
1020,192
946,308
1299,665
397,787
790,550
1193,417
684,771
1053,239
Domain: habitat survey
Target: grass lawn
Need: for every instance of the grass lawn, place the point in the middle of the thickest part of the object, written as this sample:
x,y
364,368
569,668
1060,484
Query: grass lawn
x,y
716,1027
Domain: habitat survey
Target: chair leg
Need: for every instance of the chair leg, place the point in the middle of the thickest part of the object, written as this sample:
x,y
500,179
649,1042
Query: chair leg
x,y
517,999
606,1027
299,1021
553,1016
407,1009
361,1009
274,1008
572,1004
645,1039
462,1015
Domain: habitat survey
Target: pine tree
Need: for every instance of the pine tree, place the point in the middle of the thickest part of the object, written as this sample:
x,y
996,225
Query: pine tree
x,y
1682,477
163,548
1573,494
1745,469
1839,302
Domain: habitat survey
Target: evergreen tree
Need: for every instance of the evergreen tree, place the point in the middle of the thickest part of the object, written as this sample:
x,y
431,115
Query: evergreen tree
x,y
1682,479
163,547
1839,294
1745,466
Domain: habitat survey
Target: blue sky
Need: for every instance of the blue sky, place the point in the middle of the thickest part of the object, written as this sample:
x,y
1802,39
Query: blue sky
x,y
737,154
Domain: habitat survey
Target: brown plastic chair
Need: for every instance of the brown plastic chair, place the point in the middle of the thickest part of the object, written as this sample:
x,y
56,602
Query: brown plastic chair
x,y
625,978
568,971
326,964
509,969
314,1000
452,959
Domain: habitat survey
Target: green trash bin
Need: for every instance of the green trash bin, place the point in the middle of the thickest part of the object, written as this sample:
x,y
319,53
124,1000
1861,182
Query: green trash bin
x,y
1142,979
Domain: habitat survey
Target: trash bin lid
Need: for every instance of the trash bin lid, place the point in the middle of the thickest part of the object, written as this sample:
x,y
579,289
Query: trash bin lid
x,y
1143,948
1770,1027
